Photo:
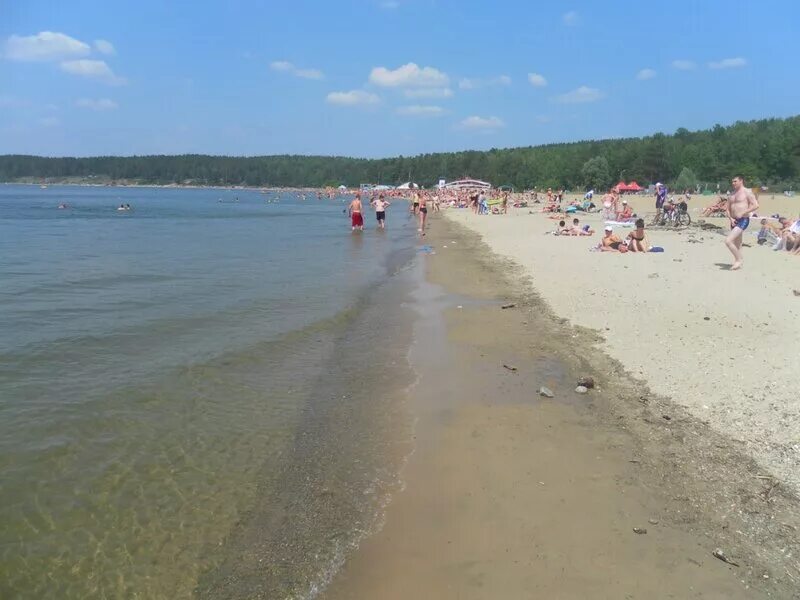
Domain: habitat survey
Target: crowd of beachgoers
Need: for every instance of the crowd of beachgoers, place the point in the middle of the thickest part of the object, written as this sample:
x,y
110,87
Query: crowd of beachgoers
x,y
738,207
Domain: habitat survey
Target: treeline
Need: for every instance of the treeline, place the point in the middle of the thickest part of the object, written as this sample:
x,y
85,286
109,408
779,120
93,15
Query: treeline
x,y
765,152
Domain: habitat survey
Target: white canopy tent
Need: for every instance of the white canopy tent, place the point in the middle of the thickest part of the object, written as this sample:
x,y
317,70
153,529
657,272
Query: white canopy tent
x,y
468,184
409,185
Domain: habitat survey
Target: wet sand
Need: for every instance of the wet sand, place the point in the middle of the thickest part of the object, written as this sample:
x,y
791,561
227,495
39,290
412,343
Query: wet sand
x,y
722,344
511,495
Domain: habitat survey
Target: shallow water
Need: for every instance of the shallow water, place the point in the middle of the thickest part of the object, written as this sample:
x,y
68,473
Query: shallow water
x,y
176,377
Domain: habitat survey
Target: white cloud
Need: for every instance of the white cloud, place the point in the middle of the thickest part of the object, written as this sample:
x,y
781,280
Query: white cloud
x,y
104,47
645,74
683,65
580,95
429,93
409,75
98,105
43,46
309,74
570,18
389,4
417,110
281,65
537,80
728,63
473,83
543,119
482,123
285,66
353,98
49,122
93,69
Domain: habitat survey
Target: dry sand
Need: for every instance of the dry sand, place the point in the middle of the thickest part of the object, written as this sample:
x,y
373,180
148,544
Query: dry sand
x,y
510,495
722,344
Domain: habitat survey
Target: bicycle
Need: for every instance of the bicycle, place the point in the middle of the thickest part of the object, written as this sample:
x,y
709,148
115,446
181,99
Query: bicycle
x,y
674,215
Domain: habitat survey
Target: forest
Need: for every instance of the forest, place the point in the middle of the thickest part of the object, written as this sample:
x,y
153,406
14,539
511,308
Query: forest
x,y
766,152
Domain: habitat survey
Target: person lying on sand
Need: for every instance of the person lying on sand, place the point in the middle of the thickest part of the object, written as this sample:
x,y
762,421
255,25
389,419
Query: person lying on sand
x,y
716,209
790,237
611,243
562,229
576,228
763,233
637,240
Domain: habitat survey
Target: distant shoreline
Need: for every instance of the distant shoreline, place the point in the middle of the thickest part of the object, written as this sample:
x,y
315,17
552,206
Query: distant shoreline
x,y
164,186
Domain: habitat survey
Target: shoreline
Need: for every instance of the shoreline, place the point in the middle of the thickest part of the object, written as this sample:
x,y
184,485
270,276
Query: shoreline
x,y
508,494
719,344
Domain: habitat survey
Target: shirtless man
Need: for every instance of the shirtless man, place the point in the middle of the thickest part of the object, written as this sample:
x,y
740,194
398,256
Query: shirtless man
x,y
354,210
380,210
741,205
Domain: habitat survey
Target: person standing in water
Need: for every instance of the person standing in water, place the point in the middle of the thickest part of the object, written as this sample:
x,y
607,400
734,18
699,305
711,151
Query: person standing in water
x,y
356,218
741,204
380,206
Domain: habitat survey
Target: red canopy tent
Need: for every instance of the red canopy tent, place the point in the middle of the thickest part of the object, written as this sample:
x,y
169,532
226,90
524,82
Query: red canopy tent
x,y
621,187
634,187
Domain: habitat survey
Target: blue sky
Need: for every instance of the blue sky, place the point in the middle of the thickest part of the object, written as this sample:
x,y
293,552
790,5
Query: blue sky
x,y
382,77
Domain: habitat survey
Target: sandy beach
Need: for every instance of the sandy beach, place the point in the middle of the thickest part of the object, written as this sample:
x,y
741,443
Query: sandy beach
x,y
620,493
721,344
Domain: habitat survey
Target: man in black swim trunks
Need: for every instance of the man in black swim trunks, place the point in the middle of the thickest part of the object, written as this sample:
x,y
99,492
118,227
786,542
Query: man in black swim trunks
x,y
415,203
741,204
380,210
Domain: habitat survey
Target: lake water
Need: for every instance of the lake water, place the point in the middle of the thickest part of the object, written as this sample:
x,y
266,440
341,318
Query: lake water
x,y
199,396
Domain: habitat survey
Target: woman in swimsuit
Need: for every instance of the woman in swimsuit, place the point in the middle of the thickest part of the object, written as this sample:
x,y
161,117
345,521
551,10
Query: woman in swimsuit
x,y
423,212
637,240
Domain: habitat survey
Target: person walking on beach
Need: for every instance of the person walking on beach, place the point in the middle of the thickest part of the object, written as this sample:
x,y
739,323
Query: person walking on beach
x,y
741,205
423,213
356,218
380,210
